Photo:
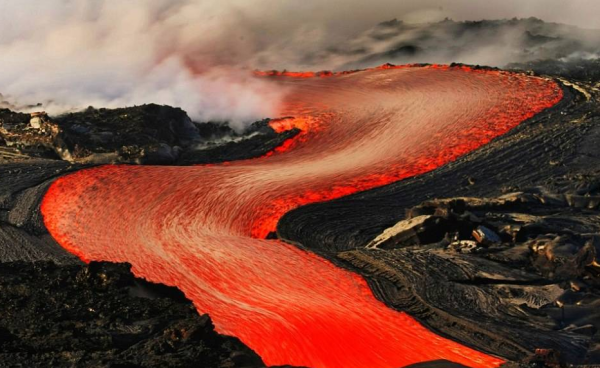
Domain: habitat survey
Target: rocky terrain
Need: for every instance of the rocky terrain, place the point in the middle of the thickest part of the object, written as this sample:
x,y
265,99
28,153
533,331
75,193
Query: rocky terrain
x,y
100,315
524,263
587,71
148,134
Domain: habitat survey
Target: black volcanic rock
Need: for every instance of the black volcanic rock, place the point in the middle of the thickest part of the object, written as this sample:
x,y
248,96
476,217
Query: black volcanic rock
x,y
100,315
147,134
536,287
19,139
586,70
252,146
23,236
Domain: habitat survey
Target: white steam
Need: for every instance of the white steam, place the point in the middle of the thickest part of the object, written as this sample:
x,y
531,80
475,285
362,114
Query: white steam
x,y
72,54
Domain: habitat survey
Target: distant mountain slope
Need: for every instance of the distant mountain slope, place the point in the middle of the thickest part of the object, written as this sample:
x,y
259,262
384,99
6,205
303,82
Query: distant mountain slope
x,y
486,42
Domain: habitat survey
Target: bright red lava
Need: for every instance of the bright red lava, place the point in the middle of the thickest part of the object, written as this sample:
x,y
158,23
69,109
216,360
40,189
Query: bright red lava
x,y
201,228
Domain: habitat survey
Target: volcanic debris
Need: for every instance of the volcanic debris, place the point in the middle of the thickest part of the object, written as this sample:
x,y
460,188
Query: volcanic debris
x,y
100,315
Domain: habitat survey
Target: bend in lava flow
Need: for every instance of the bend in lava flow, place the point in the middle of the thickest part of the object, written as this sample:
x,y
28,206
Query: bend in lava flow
x,y
501,121
201,228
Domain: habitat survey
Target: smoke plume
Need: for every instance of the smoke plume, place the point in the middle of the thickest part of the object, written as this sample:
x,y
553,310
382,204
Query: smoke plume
x,y
71,54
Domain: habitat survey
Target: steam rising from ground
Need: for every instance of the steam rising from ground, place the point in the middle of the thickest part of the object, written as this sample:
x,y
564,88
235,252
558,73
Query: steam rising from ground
x,y
198,54
72,54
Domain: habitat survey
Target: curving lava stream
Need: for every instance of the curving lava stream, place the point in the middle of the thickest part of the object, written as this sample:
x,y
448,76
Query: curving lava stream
x,y
202,228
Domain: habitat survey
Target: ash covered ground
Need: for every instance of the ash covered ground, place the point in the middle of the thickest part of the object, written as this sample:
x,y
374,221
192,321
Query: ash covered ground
x,y
497,250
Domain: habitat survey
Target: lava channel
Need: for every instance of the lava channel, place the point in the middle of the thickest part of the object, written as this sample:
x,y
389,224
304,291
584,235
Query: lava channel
x,y
202,228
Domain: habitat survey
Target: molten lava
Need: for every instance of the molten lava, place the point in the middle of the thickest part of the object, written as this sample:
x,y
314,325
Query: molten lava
x,y
202,228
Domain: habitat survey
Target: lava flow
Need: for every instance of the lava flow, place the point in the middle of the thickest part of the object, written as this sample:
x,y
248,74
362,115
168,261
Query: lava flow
x,y
201,228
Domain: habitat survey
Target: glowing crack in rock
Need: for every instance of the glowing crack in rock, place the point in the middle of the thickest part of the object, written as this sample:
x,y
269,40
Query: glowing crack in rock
x,y
202,228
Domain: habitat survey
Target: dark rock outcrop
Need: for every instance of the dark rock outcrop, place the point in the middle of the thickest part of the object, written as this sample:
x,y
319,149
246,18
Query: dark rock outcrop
x,y
585,70
147,134
25,135
256,141
150,134
537,286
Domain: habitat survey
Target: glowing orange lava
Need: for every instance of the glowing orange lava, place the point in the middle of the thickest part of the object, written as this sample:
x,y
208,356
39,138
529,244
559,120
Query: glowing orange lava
x,y
201,228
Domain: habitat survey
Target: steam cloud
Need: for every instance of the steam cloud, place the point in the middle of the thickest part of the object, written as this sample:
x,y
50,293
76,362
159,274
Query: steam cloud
x,y
198,54
72,54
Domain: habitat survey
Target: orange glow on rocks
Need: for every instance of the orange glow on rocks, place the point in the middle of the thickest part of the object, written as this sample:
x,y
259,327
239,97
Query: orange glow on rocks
x,y
327,73
202,228
276,73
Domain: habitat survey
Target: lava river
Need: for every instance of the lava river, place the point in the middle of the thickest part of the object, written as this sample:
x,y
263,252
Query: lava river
x,y
202,228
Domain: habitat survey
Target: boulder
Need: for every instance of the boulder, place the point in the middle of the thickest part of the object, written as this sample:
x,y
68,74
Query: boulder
x,y
413,231
485,236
